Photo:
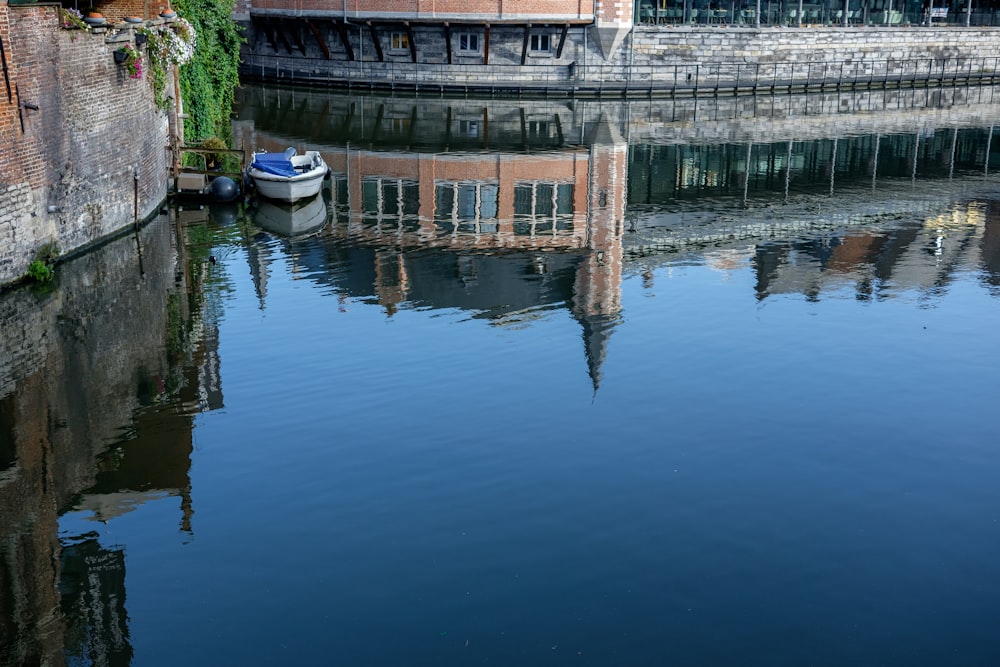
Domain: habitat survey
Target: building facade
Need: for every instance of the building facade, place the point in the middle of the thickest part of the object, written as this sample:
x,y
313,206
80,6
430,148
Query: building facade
x,y
641,46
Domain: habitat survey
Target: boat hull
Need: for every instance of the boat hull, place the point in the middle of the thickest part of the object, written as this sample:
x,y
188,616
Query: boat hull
x,y
312,171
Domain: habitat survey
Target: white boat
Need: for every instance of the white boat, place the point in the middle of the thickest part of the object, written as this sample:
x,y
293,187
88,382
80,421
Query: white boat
x,y
291,220
288,176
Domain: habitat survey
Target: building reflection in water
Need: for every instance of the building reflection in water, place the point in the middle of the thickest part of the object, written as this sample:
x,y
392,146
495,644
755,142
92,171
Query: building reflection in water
x,y
127,336
503,234
515,208
508,212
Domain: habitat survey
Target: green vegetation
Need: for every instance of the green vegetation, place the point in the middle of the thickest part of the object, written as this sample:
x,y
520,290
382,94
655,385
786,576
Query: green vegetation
x,y
40,269
210,78
40,272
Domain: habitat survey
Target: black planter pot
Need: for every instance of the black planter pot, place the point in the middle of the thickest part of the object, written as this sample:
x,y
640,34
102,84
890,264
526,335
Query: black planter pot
x,y
140,39
120,57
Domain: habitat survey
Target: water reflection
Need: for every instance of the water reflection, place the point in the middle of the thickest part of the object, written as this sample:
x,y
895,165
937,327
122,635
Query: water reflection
x,y
504,211
125,334
510,209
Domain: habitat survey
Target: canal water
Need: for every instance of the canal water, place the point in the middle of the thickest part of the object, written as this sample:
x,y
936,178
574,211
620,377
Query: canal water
x,y
531,382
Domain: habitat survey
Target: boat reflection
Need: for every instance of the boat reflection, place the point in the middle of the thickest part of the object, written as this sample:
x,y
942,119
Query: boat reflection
x,y
509,210
290,220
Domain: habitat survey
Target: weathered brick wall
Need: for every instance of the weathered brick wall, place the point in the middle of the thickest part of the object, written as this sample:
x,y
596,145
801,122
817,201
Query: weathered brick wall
x,y
116,10
20,162
69,177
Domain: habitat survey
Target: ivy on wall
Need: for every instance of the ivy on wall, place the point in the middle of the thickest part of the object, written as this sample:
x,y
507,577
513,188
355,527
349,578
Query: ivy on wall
x,y
209,80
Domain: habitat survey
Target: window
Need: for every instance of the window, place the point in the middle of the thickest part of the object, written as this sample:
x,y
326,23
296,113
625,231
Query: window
x,y
398,41
469,128
399,127
389,198
537,129
467,205
540,43
468,42
541,207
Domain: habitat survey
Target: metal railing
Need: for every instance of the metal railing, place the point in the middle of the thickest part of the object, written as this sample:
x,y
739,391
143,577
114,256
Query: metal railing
x,y
667,79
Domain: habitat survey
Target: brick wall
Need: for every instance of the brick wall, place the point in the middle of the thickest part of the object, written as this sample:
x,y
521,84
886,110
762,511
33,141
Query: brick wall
x,y
116,10
68,177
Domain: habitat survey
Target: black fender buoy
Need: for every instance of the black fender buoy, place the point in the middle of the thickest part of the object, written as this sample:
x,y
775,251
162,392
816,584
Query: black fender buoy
x,y
224,189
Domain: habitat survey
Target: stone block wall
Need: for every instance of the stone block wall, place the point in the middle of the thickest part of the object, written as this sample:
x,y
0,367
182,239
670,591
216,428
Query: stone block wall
x,y
93,151
813,44
654,58
465,9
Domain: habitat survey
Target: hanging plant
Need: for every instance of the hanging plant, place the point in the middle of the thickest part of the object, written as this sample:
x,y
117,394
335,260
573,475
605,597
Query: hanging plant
x,y
167,45
130,56
72,19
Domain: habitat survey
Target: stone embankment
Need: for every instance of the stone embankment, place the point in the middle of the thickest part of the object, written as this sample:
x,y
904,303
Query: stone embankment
x,y
651,60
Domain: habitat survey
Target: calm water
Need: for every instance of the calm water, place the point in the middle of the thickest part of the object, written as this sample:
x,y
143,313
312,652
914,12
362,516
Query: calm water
x,y
535,383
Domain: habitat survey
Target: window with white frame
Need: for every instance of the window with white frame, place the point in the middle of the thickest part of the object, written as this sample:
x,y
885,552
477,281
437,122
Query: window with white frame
x,y
542,208
468,42
467,205
385,199
541,43
399,41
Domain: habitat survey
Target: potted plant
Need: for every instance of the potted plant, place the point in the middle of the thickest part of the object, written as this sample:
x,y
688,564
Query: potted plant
x,y
94,17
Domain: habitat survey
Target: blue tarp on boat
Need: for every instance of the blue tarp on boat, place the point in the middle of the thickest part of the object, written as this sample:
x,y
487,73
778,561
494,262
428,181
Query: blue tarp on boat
x,y
278,164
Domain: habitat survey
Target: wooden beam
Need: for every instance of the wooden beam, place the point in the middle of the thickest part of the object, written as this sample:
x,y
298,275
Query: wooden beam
x,y
281,33
345,39
377,127
411,42
524,45
321,123
413,125
319,38
265,28
447,40
447,130
378,45
294,27
524,130
486,127
562,40
345,126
